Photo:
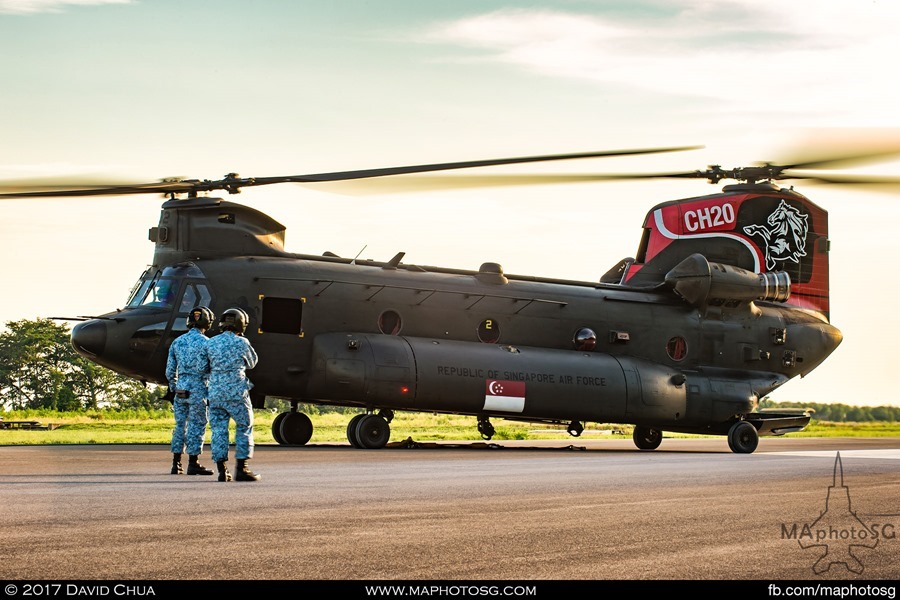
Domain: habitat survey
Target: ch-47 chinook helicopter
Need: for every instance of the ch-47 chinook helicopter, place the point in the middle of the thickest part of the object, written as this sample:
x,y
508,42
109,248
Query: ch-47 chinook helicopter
x,y
726,299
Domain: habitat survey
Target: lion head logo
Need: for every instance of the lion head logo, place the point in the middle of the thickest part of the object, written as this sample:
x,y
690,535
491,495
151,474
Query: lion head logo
x,y
785,238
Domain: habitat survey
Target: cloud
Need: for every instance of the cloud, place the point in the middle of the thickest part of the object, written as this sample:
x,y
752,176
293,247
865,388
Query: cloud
x,y
25,7
814,58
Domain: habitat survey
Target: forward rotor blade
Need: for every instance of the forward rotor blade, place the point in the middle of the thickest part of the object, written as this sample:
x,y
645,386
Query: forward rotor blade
x,y
232,182
35,189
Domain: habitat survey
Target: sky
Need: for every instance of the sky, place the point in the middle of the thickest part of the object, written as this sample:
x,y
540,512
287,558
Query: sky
x,y
141,90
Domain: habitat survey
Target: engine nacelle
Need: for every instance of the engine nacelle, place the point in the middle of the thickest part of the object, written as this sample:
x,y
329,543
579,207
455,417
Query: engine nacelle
x,y
705,284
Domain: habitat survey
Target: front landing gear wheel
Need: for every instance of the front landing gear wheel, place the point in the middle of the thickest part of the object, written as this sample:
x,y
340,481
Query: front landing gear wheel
x,y
575,428
296,429
485,428
351,430
743,438
646,438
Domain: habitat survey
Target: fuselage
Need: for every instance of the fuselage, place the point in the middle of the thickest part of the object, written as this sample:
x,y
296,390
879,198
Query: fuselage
x,y
408,337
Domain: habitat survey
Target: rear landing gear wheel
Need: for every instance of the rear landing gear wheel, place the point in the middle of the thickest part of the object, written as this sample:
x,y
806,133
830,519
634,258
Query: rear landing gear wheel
x,y
276,428
646,438
296,428
351,430
743,438
372,432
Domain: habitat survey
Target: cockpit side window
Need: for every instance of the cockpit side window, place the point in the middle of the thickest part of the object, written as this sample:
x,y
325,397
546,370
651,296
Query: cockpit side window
x,y
188,300
195,294
139,288
138,292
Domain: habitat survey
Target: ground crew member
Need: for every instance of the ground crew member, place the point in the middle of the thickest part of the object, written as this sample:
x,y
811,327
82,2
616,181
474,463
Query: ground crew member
x,y
230,355
187,370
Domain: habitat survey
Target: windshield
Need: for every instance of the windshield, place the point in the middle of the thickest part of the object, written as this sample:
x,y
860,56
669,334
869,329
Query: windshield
x,y
158,291
161,288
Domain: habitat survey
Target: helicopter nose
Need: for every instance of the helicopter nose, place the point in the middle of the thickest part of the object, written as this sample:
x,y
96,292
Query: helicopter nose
x,y
89,338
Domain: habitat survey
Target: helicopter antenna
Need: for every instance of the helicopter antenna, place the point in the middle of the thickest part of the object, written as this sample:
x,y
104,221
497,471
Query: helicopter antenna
x,y
353,262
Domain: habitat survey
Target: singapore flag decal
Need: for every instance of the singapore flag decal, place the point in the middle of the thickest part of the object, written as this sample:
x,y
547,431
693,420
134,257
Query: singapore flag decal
x,y
508,396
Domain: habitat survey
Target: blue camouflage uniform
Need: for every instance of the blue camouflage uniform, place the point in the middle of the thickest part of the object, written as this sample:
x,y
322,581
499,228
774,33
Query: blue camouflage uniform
x,y
188,369
230,356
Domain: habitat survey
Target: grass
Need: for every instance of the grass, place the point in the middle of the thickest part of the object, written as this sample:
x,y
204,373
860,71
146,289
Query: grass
x,y
155,427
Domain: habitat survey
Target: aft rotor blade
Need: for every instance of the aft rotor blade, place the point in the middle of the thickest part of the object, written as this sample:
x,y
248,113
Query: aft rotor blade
x,y
405,170
836,148
887,182
422,183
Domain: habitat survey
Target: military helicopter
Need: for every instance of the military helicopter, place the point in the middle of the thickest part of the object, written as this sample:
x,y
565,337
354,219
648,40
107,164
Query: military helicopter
x,y
725,300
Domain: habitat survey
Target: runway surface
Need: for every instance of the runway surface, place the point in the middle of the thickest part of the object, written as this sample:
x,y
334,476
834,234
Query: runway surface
x,y
560,510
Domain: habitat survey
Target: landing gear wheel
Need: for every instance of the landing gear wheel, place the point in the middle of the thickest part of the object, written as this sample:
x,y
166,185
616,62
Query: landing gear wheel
x,y
575,428
372,432
296,429
646,438
485,428
276,428
351,430
743,438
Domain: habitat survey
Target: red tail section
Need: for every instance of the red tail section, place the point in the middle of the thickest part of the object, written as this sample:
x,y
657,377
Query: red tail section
x,y
757,227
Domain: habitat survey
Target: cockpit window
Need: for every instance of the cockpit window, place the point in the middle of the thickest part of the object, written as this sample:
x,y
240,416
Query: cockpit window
x,y
195,294
186,269
160,289
155,292
188,301
138,292
162,293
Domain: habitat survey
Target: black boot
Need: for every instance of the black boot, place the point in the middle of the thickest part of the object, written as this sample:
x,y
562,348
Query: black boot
x,y
176,464
195,468
224,475
243,471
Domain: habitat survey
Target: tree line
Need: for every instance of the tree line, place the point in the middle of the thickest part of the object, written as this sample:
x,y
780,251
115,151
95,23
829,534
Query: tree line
x,y
40,369
840,413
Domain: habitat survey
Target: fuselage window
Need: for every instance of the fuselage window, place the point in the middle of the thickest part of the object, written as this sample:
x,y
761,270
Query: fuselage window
x,y
676,348
585,339
281,315
489,331
389,322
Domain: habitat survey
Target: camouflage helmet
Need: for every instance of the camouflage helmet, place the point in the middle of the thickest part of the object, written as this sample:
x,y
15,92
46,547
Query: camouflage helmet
x,y
234,319
200,317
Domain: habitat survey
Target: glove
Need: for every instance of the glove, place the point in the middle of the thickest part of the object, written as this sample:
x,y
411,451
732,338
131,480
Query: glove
x,y
169,395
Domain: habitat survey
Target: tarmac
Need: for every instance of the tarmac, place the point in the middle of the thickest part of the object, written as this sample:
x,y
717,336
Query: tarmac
x,y
576,510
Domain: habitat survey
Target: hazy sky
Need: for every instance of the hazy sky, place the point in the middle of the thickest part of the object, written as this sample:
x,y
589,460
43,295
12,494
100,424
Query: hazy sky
x,y
148,89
